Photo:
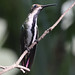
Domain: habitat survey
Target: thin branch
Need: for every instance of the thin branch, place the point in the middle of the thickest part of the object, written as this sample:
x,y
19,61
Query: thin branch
x,y
7,69
12,67
2,67
22,68
21,57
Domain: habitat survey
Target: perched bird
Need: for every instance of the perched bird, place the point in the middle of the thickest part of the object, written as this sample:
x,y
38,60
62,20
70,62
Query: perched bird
x,y
29,33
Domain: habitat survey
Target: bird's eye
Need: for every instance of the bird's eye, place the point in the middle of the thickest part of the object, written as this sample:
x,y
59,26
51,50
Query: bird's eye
x,y
35,6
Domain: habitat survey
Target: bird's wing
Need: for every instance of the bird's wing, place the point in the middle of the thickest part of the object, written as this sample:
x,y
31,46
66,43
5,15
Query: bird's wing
x,y
23,42
23,38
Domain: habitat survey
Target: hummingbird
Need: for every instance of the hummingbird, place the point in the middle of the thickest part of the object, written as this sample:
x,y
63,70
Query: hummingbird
x,y
29,33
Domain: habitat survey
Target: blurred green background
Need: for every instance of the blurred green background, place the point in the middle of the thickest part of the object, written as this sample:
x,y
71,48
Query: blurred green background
x,y
55,54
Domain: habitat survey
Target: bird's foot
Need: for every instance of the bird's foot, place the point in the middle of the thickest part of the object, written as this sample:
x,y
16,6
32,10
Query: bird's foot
x,y
28,50
36,41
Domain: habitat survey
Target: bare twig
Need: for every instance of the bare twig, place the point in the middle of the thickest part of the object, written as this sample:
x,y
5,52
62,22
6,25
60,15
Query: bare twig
x,y
3,67
22,68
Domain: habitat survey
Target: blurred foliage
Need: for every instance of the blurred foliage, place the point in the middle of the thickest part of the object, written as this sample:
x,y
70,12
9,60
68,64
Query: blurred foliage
x,y
54,55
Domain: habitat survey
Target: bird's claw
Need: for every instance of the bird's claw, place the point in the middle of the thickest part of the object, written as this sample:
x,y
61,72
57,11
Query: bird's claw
x,y
36,41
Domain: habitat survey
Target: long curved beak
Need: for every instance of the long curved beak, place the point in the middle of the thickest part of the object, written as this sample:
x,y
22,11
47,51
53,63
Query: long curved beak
x,y
43,6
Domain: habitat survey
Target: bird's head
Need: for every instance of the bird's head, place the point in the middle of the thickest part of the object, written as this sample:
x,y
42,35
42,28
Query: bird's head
x,y
36,8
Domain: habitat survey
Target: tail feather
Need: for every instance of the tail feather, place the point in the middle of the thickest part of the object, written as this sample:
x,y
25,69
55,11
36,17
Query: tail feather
x,y
28,59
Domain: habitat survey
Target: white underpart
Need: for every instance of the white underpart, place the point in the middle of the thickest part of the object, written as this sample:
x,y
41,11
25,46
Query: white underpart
x,y
35,31
29,26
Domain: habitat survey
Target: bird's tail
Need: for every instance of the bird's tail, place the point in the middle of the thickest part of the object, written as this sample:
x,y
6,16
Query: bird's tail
x,y
28,59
